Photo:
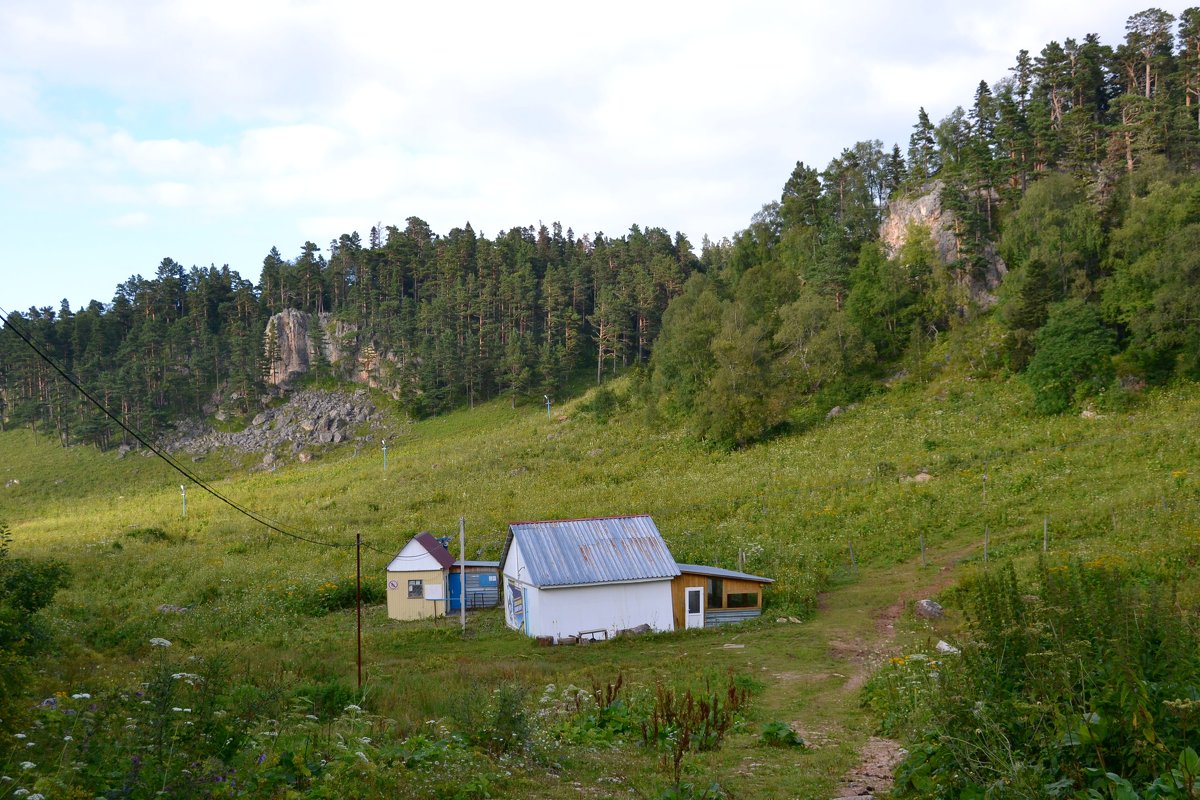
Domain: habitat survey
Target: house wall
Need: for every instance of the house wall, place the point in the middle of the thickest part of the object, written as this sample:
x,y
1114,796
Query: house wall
x,y
401,607
610,606
730,586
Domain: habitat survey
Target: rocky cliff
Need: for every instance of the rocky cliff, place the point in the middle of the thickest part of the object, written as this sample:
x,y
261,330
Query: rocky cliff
x,y
295,340
926,210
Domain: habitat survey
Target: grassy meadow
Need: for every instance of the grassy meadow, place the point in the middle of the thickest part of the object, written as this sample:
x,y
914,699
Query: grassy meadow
x,y
1119,485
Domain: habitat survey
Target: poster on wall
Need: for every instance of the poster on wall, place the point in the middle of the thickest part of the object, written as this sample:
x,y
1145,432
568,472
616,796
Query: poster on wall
x,y
516,606
435,591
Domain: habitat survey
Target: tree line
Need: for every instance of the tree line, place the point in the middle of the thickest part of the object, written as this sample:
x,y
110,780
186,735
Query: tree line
x,y
451,320
1079,167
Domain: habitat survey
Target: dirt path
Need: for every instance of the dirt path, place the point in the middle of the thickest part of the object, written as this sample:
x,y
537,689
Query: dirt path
x,y
878,756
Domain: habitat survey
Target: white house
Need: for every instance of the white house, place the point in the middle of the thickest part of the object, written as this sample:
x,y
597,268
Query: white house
x,y
587,577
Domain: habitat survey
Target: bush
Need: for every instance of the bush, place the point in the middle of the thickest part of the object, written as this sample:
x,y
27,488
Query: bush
x,y
1071,360
1085,678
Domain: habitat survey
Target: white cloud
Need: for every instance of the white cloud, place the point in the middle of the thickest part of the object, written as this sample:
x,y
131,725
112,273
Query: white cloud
x,y
217,113
132,219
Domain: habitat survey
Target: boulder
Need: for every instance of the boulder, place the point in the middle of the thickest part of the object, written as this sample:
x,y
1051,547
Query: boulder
x,y
928,609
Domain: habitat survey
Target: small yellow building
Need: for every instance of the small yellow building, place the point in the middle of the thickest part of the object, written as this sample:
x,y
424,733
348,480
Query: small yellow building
x,y
416,579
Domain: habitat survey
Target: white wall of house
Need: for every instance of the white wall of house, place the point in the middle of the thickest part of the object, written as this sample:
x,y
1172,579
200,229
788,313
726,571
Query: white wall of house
x,y
611,606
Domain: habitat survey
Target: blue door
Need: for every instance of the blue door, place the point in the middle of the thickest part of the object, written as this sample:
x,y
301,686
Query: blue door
x,y
455,591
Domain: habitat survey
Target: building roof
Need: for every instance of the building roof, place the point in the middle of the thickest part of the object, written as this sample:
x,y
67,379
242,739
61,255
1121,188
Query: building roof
x,y
717,572
486,564
572,552
435,549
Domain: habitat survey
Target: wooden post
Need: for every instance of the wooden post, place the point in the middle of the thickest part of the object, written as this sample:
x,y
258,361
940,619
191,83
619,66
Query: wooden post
x,y
462,571
853,560
358,601
922,550
1045,533
985,544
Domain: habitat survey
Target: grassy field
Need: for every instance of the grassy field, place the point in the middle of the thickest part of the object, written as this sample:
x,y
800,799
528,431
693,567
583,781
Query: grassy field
x,y
1115,485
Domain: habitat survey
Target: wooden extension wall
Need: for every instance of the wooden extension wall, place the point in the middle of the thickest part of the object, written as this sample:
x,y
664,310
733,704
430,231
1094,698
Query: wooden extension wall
x,y
729,586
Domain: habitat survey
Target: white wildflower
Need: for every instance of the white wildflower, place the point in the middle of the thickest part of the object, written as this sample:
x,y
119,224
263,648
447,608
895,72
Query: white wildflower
x,y
177,708
158,641
20,792
189,678
37,796
363,756
68,738
19,735
354,708
27,765
365,739
81,696
311,716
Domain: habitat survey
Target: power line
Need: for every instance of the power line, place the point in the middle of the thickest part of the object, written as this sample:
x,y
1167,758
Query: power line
x,y
271,524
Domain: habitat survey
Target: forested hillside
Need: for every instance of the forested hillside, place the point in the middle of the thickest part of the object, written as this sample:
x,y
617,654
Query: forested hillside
x,y
1079,166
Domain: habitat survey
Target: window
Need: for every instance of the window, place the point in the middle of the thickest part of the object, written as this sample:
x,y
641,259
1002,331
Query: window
x,y
416,589
743,600
716,593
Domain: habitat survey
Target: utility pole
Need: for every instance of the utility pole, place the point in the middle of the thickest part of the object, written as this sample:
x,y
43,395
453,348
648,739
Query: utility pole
x,y
462,572
183,491
358,601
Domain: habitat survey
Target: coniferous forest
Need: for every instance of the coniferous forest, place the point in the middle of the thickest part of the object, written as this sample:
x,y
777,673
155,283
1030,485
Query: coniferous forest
x,y
1078,169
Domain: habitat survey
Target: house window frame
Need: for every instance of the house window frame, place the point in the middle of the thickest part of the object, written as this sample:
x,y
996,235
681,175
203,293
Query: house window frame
x,y
716,594
417,584
741,596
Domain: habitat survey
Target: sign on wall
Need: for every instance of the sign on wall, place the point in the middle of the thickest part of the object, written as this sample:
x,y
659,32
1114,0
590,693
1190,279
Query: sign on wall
x,y
435,591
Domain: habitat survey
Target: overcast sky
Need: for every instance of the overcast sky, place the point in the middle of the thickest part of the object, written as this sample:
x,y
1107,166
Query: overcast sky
x,y
211,131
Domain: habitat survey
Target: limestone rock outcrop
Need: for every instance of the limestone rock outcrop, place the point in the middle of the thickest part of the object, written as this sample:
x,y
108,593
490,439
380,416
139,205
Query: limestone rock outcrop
x,y
927,210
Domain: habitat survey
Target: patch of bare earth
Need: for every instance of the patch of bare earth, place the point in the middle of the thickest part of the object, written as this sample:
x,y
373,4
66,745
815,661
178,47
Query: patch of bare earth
x,y
873,775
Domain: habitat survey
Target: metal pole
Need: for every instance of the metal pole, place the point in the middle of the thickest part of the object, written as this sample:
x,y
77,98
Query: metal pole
x,y
548,401
462,572
384,443
358,598
183,491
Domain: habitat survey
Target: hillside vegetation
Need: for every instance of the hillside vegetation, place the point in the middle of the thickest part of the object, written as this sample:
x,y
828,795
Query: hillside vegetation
x,y
269,611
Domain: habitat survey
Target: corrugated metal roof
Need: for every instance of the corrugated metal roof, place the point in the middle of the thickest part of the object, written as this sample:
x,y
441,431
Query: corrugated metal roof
x,y
599,550
470,563
717,572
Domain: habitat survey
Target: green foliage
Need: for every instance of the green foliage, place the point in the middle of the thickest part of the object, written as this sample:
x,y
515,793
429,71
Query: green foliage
x,y
780,734
1085,680
1072,358
26,587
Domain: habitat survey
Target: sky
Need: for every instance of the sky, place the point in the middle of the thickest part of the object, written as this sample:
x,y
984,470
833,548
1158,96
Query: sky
x,y
208,132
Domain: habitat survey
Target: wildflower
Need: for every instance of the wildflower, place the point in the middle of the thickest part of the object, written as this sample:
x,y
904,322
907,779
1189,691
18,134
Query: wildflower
x,y
37,796
177,708
19,735
158,641
354,708
365,739
363,756
27,765
897,661
262,757
20,792
81,696
311,716
68,738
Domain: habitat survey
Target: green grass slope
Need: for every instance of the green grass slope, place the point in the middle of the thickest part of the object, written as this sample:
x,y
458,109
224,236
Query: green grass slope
x,y
1119,484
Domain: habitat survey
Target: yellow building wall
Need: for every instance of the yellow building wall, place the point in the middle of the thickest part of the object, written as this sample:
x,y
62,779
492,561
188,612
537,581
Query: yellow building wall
x,y
399,605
